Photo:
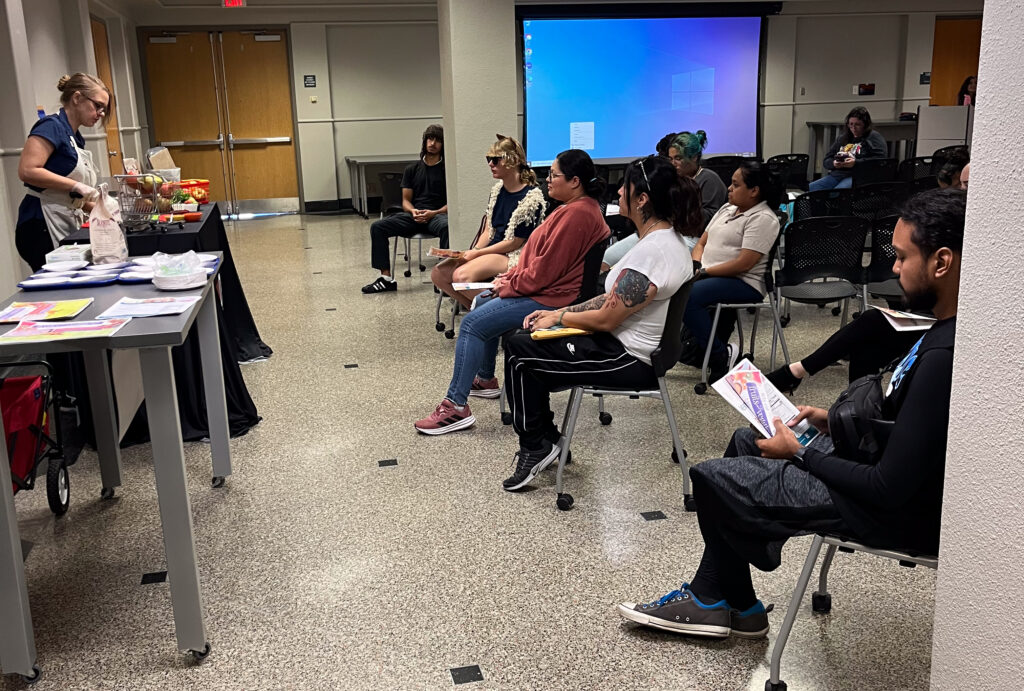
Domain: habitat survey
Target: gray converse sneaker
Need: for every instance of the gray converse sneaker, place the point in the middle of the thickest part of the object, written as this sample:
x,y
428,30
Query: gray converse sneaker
x,y
681,612
751,623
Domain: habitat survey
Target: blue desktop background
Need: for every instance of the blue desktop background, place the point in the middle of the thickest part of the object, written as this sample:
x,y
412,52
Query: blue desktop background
x,y
637,80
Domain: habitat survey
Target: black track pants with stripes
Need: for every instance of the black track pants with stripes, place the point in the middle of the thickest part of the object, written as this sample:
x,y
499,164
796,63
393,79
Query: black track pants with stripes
x,y
534,369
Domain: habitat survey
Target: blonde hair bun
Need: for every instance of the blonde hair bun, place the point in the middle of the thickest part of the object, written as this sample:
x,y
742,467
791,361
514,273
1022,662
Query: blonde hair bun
x,y
63,81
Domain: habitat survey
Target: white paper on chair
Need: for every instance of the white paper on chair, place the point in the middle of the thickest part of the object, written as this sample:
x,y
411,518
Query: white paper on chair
x,y
905,321
472,286
747,390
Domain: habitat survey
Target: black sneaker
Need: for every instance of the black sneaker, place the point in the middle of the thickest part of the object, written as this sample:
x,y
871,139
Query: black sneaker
x,y
751,623
784,379
381,285
528,464
681,612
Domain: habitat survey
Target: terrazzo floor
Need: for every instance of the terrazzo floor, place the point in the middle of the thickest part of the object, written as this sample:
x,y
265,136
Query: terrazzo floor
x,y
322,569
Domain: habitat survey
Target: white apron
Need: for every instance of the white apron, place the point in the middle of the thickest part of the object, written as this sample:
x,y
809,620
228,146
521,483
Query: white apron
x,y
61,218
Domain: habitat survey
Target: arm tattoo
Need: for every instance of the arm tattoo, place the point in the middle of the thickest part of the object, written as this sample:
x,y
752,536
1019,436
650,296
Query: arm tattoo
x,y
591,304
632,288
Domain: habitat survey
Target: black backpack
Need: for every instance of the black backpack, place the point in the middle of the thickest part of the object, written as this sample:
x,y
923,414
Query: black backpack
x,y
855,423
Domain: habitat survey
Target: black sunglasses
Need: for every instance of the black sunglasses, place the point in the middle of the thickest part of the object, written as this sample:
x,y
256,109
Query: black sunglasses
x,y
494,159
98,105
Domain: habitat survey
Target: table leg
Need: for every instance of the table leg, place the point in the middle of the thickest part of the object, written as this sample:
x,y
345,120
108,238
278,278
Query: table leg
x,y
812,149
104,417
175,508
213,383
17,646
362,191
352,185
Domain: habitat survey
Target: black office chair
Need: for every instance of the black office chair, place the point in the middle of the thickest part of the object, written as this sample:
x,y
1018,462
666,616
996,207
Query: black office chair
x,y
930,182
878,199
915,168
589,288
391,205
724,166
880,281
823,248
792,168
662,360
945,153
823,203
870,170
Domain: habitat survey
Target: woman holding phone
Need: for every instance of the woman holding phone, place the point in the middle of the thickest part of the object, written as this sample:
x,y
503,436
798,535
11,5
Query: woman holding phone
x,y
858,142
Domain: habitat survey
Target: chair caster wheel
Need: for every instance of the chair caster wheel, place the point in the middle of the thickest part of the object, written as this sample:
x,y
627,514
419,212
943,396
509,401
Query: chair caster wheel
x,y
836,311
200,655
689,504
437,291
564,501
700,389
506,418
821,603
450,333
217,482
769,686
31,679
422,268
439,326
784,321
605,418
675,456
107,493
407,273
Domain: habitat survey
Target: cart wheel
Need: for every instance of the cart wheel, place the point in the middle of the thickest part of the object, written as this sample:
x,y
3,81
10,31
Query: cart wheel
x,y
407,273
564,501
506,418
200,655
784,321
700,388
217,482
107,493
58,489
605,418
34,677
836,311
821,602
439,326
689,504
450,333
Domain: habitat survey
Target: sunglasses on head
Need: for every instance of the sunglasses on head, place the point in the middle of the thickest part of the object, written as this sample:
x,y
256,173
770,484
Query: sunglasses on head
x,y
494,159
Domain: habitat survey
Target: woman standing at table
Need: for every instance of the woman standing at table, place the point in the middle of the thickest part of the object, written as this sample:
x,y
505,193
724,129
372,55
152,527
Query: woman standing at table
x,y
58,172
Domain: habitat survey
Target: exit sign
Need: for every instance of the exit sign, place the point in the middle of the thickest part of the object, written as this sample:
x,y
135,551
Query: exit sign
x,y
233,3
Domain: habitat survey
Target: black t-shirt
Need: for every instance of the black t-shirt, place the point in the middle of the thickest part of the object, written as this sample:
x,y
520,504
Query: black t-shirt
x,y
504,206
427,183
897,503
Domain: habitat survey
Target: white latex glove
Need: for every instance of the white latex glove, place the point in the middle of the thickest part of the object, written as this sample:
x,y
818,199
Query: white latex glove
x,y
88,194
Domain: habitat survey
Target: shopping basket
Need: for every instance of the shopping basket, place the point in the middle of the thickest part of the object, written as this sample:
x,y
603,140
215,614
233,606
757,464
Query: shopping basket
x,y
25,403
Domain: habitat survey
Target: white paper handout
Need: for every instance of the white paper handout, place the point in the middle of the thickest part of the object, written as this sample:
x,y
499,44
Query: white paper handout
x,y
905,321
149,307
472,286
747,390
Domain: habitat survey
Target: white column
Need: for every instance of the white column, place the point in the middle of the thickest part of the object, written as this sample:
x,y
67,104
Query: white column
x,y
778,86
16,117
478,99
979,600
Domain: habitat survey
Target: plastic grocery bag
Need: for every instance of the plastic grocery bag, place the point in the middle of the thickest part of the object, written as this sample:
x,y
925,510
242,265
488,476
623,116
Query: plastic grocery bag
x,y
105,234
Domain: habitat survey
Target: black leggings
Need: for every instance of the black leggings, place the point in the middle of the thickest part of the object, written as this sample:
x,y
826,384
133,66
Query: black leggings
x,y
32,238
869,342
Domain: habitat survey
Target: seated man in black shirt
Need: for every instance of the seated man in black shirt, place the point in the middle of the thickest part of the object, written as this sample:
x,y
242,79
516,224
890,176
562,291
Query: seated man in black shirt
x,y
767,490
425,200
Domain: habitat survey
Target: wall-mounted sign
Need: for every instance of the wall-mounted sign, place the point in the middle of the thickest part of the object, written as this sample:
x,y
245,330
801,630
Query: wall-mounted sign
x,y
926,78
309,80
866,90
233,3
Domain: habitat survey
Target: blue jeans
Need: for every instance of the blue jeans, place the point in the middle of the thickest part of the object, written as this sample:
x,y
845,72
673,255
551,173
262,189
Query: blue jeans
x,y
477,347
707,292
831,182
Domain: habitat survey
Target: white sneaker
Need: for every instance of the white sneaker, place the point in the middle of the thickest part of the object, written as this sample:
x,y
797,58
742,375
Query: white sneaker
x,y
734,353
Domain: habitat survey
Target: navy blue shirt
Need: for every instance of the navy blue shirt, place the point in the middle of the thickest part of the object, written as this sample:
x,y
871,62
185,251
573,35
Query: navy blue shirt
x,y
504,206
57,130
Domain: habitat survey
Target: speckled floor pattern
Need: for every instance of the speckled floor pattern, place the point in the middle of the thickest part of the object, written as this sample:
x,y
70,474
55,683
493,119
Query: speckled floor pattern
x,y
323,570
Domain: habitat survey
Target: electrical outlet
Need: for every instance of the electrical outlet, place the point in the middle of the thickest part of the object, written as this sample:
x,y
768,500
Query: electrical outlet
x,y
313,99
855,90
803,90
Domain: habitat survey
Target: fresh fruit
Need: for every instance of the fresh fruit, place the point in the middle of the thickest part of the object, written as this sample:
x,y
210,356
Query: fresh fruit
x,y
194,216
163,205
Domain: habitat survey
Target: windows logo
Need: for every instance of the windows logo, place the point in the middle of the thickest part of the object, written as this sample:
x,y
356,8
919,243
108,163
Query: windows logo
x,y
694,91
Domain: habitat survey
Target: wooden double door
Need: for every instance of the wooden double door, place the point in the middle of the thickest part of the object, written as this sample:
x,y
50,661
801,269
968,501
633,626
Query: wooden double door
x,y
220,101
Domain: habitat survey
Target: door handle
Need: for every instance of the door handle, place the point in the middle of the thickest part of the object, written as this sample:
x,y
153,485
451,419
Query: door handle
x,y
233,140
111,153
196,142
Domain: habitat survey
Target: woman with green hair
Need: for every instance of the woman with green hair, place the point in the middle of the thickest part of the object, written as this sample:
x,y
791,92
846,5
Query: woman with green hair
x,y
685,153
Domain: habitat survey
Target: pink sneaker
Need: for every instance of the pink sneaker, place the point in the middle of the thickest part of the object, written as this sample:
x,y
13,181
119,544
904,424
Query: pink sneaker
x,y
485,388
445,418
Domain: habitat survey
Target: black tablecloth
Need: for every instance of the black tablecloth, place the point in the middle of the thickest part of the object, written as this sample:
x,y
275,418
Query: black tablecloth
x,y
239,338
